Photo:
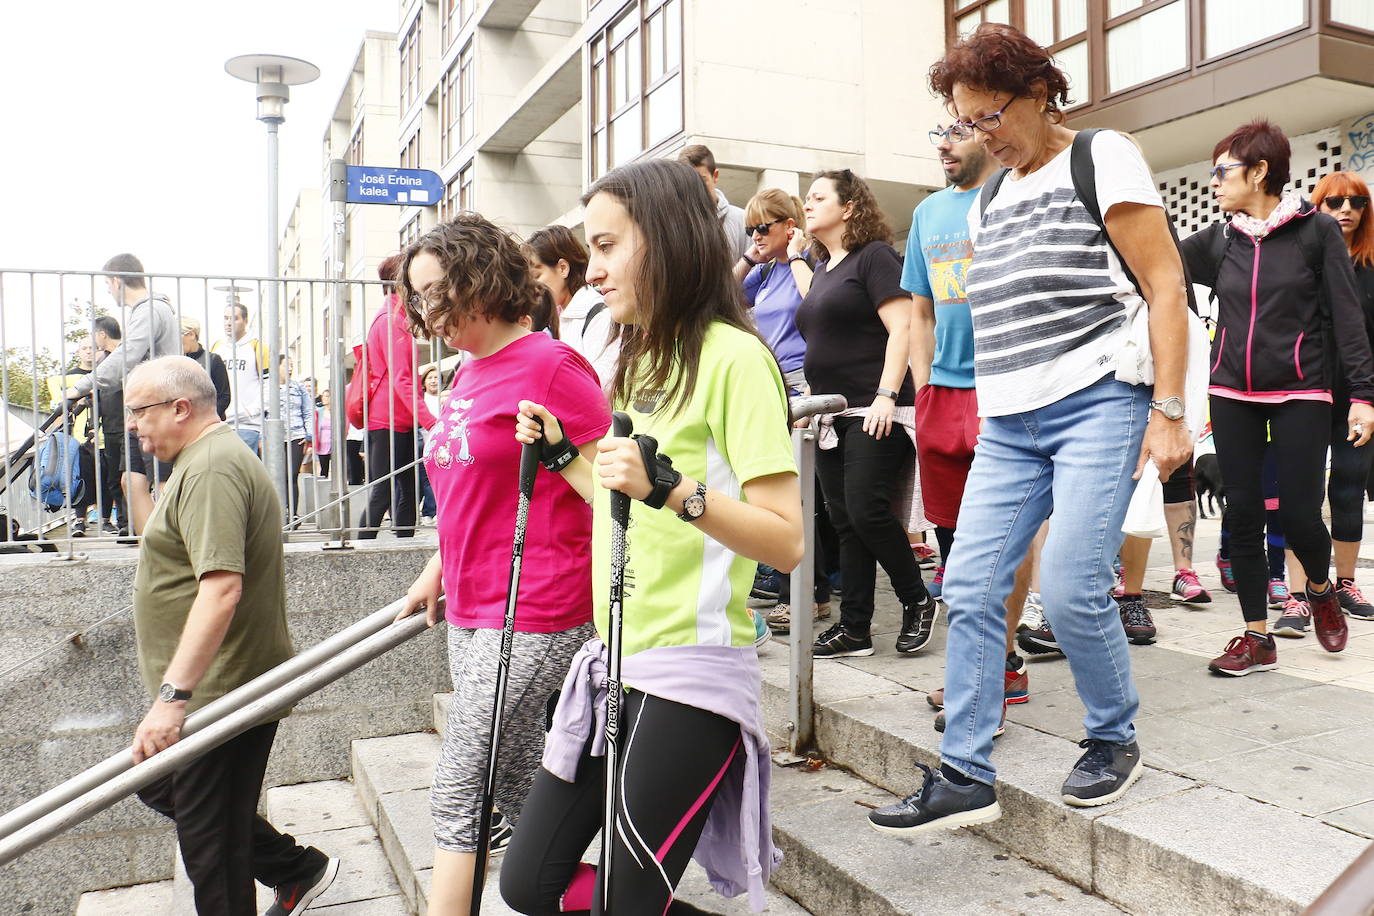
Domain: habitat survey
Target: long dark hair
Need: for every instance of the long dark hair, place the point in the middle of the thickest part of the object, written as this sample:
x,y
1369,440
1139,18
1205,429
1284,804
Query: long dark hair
x,y
683,280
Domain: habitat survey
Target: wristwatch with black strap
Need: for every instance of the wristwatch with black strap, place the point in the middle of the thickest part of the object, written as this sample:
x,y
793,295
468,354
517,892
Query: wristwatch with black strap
x,y
171,693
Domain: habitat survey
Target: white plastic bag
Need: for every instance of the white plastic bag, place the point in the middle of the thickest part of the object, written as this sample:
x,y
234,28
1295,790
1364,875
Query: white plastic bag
x,y
1145,514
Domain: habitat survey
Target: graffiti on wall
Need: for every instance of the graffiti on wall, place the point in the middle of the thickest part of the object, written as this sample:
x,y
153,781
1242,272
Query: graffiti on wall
x,y
1361,135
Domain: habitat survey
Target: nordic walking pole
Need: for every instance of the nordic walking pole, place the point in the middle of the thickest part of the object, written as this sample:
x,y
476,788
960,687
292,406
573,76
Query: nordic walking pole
x,y
620,520
529,467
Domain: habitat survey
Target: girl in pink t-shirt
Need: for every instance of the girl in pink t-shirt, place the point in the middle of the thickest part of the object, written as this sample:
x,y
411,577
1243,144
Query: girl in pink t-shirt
x,y
467,281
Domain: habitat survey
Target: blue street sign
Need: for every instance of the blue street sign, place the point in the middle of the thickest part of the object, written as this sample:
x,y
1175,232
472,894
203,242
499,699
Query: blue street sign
x,y
368,184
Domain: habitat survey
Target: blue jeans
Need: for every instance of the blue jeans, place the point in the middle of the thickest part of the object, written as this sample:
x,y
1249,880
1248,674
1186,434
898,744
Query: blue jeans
x,y
1074,457
251,437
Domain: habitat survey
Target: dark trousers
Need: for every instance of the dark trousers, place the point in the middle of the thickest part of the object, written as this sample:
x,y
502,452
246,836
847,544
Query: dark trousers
x,y
1301,431
387,449
353,454
111,470
1349,472
224,843
295,457
324,464
672,764
858,478
827,554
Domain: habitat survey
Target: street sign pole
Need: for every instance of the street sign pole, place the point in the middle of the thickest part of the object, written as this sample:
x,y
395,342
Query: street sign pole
x,y
273,431
338,193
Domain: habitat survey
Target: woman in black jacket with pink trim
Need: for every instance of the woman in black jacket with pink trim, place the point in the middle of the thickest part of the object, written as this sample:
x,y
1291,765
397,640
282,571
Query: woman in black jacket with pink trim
x,y
1286,295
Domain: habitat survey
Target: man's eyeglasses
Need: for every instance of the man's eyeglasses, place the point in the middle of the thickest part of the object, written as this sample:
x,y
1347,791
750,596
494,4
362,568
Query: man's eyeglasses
x,y
1357,202
134,413
762,228
963,130
939,135
1220,172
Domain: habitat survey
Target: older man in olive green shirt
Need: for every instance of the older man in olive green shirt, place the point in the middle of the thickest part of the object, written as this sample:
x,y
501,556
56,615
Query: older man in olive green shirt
x,y
209,616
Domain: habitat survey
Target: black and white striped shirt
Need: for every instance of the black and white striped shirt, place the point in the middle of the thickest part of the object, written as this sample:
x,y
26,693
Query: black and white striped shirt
x,y
1049,299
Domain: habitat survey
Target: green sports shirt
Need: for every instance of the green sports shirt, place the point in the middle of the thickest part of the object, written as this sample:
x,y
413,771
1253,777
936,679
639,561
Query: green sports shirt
x,y
683,588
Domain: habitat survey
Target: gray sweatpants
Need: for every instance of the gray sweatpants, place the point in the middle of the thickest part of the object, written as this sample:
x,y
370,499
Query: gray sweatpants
x,y
538,664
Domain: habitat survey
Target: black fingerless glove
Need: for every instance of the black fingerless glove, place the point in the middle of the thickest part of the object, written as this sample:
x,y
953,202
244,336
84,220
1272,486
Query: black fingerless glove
x,y
660,470
557,457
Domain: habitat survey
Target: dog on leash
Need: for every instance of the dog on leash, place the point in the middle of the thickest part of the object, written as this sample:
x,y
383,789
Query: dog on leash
x,y
1207,482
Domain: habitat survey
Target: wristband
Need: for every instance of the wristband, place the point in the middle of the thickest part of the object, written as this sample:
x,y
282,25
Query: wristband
x,y
887,393
659,468
748,260
799,257
557,457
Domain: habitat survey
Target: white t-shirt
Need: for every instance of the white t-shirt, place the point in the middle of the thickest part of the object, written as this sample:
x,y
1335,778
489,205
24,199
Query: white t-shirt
x,y
589,337
245,362
1051,304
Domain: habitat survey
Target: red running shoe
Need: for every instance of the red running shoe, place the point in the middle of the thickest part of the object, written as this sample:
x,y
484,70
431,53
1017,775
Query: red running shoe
x,y
1228,576
1251,652
1327,620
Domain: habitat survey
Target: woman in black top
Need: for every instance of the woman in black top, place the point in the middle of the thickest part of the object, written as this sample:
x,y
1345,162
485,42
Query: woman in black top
x,y
1345,196
855,320
1283,281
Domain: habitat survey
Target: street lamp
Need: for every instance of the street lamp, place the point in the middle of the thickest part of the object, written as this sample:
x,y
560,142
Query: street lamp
x,y
273,75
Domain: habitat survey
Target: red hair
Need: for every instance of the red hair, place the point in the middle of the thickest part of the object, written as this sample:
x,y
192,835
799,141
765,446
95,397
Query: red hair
x,y
1347,184
1001,58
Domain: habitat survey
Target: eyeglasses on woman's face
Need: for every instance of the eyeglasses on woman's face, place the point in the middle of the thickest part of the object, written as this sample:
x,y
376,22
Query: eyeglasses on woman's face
x,y
763,228
963,130
1357,202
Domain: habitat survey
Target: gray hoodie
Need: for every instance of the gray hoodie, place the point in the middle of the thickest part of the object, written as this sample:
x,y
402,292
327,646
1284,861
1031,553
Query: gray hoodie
x,y
151,329
732,221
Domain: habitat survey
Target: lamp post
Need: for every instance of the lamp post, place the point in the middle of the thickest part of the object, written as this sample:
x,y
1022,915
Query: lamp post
x,y
273,75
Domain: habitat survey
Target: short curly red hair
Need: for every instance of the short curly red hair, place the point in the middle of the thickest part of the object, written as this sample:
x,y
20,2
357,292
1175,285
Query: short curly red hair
x,y
1001,58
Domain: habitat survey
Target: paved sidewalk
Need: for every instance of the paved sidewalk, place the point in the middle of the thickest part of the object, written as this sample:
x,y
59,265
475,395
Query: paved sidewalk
x,y
1298,738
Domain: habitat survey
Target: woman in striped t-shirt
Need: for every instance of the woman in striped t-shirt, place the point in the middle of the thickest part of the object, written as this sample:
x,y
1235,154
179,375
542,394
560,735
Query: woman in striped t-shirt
x,y
1051,305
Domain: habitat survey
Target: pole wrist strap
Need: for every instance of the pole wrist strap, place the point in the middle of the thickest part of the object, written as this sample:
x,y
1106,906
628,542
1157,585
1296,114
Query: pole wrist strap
x,y
662,475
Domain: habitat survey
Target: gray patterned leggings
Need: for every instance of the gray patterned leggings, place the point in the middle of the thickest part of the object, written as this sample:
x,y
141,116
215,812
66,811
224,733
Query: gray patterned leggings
x,y
539,663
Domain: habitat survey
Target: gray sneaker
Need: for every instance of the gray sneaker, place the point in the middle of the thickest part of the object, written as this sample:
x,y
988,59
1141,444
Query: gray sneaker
x,y
940,804
1103,773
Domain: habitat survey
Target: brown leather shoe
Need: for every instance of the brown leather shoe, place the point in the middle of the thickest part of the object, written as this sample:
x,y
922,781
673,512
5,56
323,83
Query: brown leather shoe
x,y
1327,620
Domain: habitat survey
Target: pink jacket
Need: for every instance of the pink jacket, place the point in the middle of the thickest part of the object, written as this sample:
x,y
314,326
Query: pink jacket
x,y
390,351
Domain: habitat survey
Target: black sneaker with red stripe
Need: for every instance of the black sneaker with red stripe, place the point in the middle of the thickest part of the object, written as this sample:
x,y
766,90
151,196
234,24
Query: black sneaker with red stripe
x,y
296,896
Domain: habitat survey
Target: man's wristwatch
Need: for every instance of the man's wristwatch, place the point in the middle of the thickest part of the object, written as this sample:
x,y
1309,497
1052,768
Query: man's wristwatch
x,y
694,506
170,693
1172,408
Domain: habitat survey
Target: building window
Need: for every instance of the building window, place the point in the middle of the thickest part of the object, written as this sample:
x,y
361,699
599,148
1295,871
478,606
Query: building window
x,y
466,197
355,146
453,14
448,114
1359,13
410,65
1060,26
457,194
1147,46
410,153
410,231
1228,25
970,15
466,94
636,82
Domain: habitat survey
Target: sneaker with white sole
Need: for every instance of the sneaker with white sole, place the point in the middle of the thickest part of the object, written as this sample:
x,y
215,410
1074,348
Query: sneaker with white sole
x,y
940,804
1103,774
1294,620
296,896
925,556
1188,589
1278,594
1352,600
837,642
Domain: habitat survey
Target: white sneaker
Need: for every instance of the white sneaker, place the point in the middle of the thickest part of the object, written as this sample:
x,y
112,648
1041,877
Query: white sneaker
x,y
1032,614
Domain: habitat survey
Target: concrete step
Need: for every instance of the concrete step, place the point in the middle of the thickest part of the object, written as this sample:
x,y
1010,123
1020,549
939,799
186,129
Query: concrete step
x,y
393,776
139,900
1173,845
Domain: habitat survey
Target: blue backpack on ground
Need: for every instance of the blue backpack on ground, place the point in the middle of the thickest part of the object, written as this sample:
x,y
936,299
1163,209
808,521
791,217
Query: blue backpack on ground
x,y
56,479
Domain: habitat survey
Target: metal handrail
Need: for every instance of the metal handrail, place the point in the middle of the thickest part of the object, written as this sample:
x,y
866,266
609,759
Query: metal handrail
x,y
104,784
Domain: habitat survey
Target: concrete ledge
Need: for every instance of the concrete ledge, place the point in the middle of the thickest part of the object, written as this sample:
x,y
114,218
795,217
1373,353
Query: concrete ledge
x,y
1167,824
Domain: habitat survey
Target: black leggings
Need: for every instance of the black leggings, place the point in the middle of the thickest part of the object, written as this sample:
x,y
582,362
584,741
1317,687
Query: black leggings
x,y
1349,474
1300,433
673,758
859,477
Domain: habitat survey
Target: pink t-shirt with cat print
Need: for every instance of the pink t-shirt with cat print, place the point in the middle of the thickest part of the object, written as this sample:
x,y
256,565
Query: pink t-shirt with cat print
x,y
473,462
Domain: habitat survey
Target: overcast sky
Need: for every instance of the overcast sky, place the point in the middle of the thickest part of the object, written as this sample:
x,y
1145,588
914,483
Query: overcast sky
x,y
122,132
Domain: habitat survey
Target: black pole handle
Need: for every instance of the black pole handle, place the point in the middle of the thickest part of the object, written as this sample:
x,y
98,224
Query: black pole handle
x,y
529,462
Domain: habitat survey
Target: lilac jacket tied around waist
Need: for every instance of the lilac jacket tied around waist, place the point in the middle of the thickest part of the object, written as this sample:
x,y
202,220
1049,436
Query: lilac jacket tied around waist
x,y
724,680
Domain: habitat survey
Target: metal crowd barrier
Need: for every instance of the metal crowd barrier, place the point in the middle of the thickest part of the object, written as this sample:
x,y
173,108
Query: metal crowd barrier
x,y
50,324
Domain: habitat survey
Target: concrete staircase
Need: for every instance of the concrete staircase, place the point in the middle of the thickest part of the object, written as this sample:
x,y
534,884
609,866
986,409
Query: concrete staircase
x,y
379,825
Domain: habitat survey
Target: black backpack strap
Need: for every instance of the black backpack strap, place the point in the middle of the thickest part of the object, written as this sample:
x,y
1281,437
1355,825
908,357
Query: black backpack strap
x,y
591,313
990,191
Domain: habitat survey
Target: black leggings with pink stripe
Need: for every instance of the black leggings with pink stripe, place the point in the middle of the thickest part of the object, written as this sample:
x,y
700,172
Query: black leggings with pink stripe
x,y
673,759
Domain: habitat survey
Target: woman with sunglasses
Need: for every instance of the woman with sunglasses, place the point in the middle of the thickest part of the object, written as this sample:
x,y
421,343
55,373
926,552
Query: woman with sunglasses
x,y
1283,281
855,319
1052,308
1345,196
